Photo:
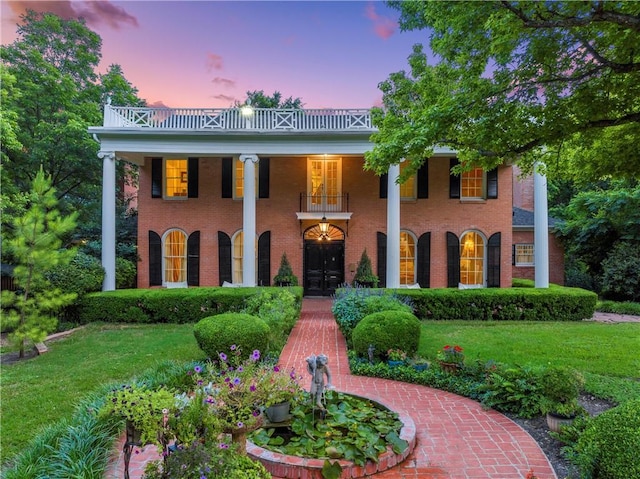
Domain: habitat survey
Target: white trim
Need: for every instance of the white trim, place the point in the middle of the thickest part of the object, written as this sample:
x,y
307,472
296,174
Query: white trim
x,y
173,284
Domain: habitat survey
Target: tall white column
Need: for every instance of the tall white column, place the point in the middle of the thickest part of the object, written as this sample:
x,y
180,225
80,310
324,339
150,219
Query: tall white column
x,y
249,220
108,219
540,228
393,227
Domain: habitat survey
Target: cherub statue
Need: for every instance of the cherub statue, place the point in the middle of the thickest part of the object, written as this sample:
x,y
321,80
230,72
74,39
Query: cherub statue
x,y
318,368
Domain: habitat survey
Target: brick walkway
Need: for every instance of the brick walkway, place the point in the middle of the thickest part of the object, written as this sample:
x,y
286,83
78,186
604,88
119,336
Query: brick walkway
x,y
456,438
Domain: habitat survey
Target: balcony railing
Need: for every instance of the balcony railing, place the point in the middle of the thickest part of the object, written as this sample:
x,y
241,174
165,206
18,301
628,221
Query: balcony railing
x,y
262,119
324,203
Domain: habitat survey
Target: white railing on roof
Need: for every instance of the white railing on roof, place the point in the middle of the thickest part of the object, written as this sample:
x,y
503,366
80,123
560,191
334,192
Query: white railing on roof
x,y
263,119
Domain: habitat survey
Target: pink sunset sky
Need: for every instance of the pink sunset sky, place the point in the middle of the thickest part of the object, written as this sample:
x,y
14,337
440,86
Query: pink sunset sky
x,y
202,54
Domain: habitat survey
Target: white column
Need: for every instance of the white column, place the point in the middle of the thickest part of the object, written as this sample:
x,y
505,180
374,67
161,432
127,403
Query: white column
x,y
249,220
393,227
108,219
540,228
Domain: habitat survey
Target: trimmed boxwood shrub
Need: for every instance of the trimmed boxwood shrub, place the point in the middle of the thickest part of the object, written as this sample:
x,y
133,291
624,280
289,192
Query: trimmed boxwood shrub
x,y
83,274
215,334
608,448
387,330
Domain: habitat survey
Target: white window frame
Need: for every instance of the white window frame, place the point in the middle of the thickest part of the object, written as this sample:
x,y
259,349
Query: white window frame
x,y
415,257
519,254
474,198
174,284
234,258
484,260
165,181
236,196
324,207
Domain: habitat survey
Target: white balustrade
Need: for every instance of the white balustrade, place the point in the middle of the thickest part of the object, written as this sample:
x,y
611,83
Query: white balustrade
x,y
263,119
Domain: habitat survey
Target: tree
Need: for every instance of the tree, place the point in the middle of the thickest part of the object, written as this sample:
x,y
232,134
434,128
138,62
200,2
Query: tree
x,y
517,81
258,99
35,242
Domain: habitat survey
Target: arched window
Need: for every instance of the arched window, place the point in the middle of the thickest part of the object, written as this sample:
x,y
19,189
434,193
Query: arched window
x,y
472,258
237,248
174,267
407,258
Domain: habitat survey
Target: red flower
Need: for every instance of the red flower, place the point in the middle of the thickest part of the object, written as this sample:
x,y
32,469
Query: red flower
x,y
457,349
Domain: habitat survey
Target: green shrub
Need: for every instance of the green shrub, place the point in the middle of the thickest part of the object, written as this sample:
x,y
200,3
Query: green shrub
x,y
608,447
387,330
285,276
125,274
216,334
621,277
278,308
84,274
561,386
513,389
625,307
364,272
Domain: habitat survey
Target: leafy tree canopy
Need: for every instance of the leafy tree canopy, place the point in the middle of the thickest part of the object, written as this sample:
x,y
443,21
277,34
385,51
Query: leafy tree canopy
x,y
258,99
517,81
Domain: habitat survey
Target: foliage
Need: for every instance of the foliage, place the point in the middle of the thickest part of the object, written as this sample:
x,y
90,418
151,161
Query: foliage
x,y
83,274
354,429
277,307
621,276
258,99
364,272
608,447
521,82
387,330
451,354
396,355
513,389
35,241
561,386
126,273
146,408
625,307
285,276
555,303
198,461
214,334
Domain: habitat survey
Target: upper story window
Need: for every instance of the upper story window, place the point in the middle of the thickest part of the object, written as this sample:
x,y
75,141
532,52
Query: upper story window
x,y
524,255
324,184
475,184
472,184
238,179
409,187
173,178
176,177
175,258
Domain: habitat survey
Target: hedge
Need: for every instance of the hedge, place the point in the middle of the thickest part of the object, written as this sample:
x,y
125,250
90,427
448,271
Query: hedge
x,y
556,303
180,305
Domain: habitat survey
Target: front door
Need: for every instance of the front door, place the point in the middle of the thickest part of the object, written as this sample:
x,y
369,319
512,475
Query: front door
x,y
323,267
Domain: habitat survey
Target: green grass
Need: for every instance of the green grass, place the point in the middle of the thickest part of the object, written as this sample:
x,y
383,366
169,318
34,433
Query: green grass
x,y
42,390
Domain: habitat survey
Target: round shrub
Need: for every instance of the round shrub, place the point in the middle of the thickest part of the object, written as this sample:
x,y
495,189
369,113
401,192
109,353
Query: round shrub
x,y
83,274
608,448
125,273
215,334
621,278
387,330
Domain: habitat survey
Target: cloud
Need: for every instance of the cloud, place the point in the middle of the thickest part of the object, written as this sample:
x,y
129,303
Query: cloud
x,y
223,82
226,98
96,14
383,27
214,61
157,104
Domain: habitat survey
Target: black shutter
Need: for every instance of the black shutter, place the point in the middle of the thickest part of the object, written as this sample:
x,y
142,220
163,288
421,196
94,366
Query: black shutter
x,y
227,177
193,258
156,177
453,260
264,259
493,261
492,183
513,255
424,260
384,185
423,180
454,180
382,259
192,178
155,259
224,257
263,178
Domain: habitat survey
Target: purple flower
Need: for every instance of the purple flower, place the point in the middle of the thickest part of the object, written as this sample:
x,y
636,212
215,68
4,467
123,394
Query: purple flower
x,y
222,445
240,369
236,381
233,347
240,424
223,356
276,369
252,388
200,382
209,400
256,413
256,355
292,374
197,369
227,379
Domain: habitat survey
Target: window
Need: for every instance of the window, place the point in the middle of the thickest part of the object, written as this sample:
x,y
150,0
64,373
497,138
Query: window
x,y
408,188
524,254
324,185
238,179
175,258
472,253
176,178
407,258
237,243
472,184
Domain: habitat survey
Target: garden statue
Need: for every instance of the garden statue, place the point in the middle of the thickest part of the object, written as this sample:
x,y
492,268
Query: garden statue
x,y
370,352
318,368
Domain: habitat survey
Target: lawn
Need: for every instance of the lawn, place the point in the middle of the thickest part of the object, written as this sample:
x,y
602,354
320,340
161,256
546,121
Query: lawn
x,y
39,391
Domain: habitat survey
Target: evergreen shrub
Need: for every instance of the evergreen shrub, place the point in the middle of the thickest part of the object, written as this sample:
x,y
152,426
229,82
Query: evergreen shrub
x,y
216,334
621,273
83,274
387,330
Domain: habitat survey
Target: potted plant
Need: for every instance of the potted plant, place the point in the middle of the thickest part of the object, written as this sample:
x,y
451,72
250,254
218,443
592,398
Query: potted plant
x,y
364,276
285,276
450,358
561,386
145,410
419,363
282,390
396,357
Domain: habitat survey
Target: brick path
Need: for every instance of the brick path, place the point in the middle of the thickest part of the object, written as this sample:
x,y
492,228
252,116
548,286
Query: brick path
x,y
456,438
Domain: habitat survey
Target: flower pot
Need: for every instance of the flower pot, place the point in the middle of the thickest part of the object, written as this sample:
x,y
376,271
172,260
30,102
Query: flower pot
x,y
421,367
278,412
394,363
556,421
451,368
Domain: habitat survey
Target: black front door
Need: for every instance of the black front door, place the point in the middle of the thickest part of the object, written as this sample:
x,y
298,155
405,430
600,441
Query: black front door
x,y
323,267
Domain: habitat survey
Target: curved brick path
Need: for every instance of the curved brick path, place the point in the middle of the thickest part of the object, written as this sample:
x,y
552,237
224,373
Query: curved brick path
x,y
456,438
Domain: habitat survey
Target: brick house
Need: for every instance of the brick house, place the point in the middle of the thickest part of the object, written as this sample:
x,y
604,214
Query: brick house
x,y
294,181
